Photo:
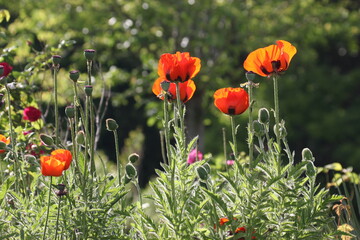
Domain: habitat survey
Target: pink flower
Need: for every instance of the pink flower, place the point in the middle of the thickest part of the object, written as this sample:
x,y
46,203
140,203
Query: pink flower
x,y
32,114
192,156
230,162
7,69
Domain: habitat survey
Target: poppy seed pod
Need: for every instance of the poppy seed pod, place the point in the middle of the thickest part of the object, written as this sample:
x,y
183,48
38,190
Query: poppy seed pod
x,y
88,90
133,157
74,75
89,54
259,129
80,137
46,139
307,155
56,59
70,111
263,116
1,70
250,76
165,85
111,124
130,171
202,173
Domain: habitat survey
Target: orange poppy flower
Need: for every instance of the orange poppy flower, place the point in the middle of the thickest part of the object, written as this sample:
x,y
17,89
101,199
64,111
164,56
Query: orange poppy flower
x,y
223,221
187,90
64,156
270,59
50,166
5,140
231,101
178,67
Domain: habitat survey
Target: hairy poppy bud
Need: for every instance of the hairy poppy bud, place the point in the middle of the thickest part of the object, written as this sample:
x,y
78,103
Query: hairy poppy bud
x,y
133,157
250,76
2,145
80,137
310,169
126,179
70,111
130,171
30,158
56,59
280,131
206,166
263,116
89,54
259,129
111,124
46,139
88,90
202,173
307,155
74,75
165,85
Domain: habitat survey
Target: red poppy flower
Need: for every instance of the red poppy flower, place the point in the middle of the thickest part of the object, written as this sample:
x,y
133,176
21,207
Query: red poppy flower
x,y
271,59
64,156
223,221
187,90
32,114
231,101
5,140
50,166
7,69
178,67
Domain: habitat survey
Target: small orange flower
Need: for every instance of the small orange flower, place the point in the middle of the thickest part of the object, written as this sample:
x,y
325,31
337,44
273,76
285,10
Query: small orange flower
x,y
187,90
270,59
5,140
223,221
231,101
64,156
178,67
50,166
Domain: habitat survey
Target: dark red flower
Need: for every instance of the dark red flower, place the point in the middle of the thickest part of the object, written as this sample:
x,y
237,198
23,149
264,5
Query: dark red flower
x,y
32,114
7,69
231,101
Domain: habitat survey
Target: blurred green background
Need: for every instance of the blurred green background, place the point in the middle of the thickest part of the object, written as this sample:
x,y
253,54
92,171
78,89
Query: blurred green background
x,y
319,94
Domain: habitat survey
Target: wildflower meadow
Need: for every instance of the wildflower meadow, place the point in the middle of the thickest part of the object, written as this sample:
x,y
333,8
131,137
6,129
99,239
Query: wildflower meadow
x,y
57,184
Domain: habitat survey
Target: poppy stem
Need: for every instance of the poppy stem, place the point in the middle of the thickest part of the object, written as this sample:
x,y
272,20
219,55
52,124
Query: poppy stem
x,y
118,164
224,143
250,126
57,219
76,125
277,115
56,110
166,128
181,116
48,208
233,131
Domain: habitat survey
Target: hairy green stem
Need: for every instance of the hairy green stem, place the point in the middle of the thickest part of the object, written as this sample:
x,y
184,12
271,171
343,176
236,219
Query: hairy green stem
x,y
57,218
234,136
47,211
181,116
56,109
250,126
277,118
76,118
166,128
118,164
89,64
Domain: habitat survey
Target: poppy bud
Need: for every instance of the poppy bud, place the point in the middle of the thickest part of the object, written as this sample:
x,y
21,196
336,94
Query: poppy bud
x,y
56,59
74,75
258,128
250,76
206,166
310,169
3,80
46,139
133,157
202,173
165,85
126,180
1,70
307,155
263,116
111,124
30,158
88,90
70,111
89,54
130,171
2,145
280,131
80,137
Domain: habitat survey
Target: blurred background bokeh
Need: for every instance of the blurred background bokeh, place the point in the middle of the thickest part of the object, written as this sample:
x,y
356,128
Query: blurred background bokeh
x,y
319,93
